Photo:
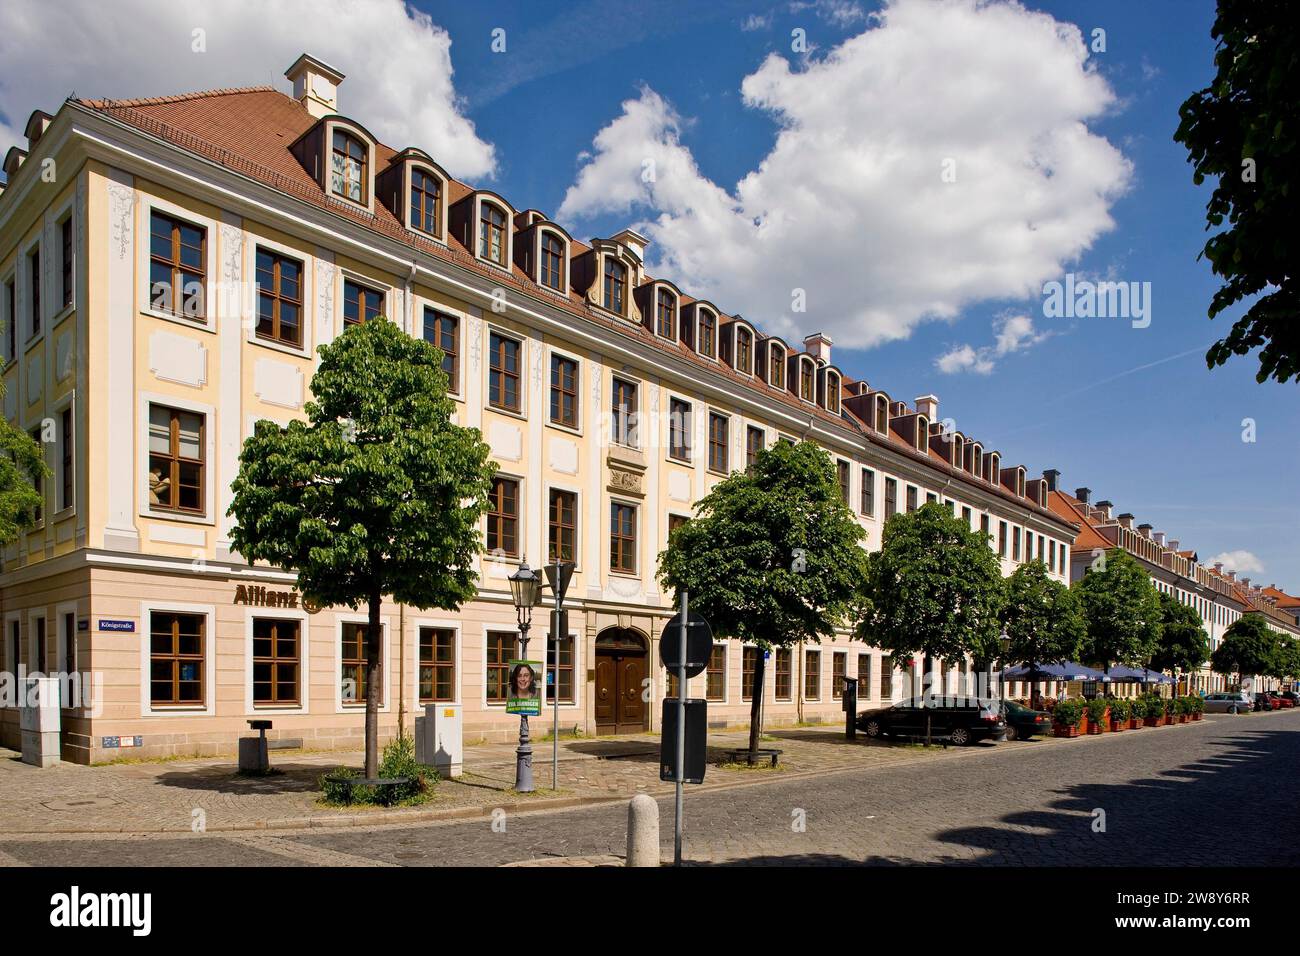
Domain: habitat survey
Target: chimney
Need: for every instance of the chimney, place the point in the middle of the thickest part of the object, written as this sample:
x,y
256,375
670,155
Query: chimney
x,y
1159,537
1218,567
633,241
1173,544
1053,478
1084,495
1145,530
1125,520
315,85
928,405
1232,575
818,345
1245,583
1105,508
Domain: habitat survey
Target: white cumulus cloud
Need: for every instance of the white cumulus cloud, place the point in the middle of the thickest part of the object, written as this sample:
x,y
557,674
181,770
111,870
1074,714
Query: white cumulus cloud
x,y
1241,561
397,61
1013,332
851,205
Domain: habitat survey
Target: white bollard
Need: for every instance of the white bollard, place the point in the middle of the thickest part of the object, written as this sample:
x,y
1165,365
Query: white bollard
x,y
642,831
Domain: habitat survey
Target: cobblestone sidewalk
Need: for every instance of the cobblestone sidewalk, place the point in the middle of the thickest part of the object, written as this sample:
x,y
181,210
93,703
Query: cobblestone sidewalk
x,y
209,795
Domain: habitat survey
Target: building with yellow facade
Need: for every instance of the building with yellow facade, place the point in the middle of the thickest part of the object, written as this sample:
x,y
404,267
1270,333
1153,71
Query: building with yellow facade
x,y
168,268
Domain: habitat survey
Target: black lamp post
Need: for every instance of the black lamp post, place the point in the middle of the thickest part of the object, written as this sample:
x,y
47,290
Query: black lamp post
x,y
526,591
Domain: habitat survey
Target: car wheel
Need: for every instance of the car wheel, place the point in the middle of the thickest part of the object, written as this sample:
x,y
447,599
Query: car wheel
x,y
960,736
873,728
1012,734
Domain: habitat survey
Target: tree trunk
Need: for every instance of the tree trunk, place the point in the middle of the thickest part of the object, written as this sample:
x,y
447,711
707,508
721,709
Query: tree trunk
x,y
374,684
756,705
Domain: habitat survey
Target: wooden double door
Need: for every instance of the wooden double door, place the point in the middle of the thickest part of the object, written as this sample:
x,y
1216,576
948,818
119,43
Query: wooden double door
x,y
622,666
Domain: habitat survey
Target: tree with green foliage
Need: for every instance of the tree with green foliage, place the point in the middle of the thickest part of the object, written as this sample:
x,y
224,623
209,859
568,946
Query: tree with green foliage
x,y
379,492
1286,663
1121,609
772,556
935,588
22,463
1248,647
1042,618
1244,130
1184,646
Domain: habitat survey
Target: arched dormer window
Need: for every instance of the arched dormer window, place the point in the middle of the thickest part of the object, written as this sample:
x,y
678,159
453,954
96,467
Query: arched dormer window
x,y
882,414
550,271
426,202
349,172
776,366
833,392
708,335
995,468
744,351
807,380
922,434
665,313
958,450
615,289
976,453
492,233
1020,482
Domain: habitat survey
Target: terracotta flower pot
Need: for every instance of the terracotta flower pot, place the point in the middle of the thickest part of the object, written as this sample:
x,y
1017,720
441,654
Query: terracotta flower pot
x,y
1135,723
1196,716
1152,721
1065,730
1117,725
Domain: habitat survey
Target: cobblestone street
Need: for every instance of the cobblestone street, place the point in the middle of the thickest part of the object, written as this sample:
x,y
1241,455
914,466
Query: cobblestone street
x,y
1215,792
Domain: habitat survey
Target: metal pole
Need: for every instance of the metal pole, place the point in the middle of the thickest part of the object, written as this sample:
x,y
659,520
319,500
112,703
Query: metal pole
x,y
555,690
524,753
681,732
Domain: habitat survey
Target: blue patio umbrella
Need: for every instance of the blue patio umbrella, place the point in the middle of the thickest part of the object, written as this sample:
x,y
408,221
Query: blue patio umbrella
x,y
1070,670
1136,675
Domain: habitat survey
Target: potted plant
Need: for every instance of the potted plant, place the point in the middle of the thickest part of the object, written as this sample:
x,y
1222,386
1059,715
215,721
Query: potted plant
x,y
1170,706
1097,722
1119,715
1196,705
1153,710
1066,716
1182,709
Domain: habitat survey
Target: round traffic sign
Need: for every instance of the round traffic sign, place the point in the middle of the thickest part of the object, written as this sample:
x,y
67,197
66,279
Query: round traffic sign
x,y
699,644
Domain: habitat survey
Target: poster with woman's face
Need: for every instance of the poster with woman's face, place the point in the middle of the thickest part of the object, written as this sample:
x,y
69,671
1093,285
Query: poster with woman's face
x,y
524,695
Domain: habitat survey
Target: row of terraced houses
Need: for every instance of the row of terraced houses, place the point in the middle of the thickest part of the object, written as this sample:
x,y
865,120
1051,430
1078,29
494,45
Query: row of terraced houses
x,y
130,234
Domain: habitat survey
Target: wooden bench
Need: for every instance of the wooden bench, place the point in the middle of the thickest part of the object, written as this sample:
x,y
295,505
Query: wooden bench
x,y
743,755
347,783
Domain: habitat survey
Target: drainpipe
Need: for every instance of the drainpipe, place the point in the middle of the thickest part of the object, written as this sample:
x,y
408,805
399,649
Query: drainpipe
x,y
798,690
401,670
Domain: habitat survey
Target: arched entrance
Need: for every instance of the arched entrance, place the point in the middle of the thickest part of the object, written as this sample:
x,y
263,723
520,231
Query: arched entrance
x,y
622,665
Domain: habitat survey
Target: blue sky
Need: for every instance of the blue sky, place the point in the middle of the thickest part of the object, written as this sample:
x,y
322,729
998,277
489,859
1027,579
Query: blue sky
x,y
1062,166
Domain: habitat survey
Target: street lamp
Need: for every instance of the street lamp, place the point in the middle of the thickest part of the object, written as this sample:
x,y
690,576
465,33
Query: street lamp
x,y
526,591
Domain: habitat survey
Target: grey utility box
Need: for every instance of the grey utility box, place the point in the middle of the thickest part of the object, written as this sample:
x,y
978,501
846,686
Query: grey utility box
x,y
38,719
438,739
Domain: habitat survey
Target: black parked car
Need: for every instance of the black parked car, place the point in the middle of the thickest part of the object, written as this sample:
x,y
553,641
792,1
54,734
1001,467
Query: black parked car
x,y
1263,701
961,720
1024,722
1289,695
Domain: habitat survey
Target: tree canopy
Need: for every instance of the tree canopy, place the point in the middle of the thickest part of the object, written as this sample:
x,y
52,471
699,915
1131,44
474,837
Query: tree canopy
x,y
1042,617
1242,130
1248,647
1121,609
1184,646
21,463
773,554
935,587
377,493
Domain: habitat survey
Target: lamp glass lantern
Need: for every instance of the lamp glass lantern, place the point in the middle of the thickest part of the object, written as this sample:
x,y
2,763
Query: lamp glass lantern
x,y
526,591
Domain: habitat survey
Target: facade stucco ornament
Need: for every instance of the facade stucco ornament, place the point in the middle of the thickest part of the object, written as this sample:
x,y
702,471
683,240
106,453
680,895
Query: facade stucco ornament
x,y
627,482
121,204
232,261
475,342
324,299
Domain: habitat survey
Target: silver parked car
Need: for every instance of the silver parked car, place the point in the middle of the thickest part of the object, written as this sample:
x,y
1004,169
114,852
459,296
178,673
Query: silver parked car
x,y
1230,703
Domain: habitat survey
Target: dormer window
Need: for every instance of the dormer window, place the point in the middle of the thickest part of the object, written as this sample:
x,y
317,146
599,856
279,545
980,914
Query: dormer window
x,y
551,272
776,367
492,234
615,286
976,454
348,167
426,193
807,381
882,414
744,351
832,393
995,468
922,434
665,310
708,334
1020,482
